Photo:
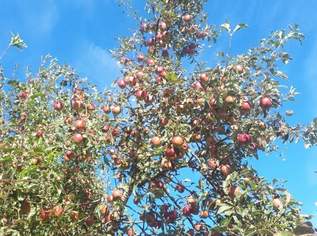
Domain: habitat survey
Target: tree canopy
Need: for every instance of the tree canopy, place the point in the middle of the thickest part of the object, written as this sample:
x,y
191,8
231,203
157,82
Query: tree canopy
x,y
165,152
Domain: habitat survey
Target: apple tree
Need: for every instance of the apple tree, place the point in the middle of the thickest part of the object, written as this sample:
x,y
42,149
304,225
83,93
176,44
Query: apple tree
x,y
164,153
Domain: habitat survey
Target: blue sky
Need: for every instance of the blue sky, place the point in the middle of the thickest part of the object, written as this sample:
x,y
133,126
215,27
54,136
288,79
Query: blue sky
x,y
80,33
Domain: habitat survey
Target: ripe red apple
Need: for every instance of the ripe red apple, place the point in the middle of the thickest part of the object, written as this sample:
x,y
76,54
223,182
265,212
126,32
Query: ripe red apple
x,y
198,226
212,163
74,215
191,200
156,141
44,214
229,99
157,184
130,232
150,42
197,85
265,102
121,83
233,191
203,77
162,25
204,214
77,138
90,220
58,105
80,124
139,74
177,141
91,107
185,146
243,138
110,198
23,95
138,94
277,203
150,62
245,106
187,210
115,110
239,68
163,121
117,194
77,104
68,155
58,211
170,153
39,133
225,169
166,164
187,17
115,131
106,128
106,109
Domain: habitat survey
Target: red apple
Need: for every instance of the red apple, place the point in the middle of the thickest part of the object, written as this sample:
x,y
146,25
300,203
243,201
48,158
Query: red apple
x,y
187,17
225,169
239,69
138,94
156,141
130,232
44,214
245,106
177,141
187,210
39,133
277,203
106,109
117,194
77,138
212,163
265,102
121,83
74,215
58,105
203,77
162,25
197,85
23,95
80,124
58,211
243,138
204,214
150,62
68,155
115,110
170,153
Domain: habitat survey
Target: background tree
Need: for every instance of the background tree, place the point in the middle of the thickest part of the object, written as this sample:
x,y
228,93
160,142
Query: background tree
x,y
174,138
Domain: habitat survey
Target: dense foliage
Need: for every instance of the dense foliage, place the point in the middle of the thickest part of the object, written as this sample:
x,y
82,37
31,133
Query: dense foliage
x,y
163,154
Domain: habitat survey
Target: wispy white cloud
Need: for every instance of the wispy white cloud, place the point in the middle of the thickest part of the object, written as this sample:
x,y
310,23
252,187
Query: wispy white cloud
x,y
39,20
97,64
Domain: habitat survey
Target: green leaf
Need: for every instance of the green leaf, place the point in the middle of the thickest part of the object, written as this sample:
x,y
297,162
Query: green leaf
x,y
284,233
226,26
173,78
239,27
223,209
17,41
